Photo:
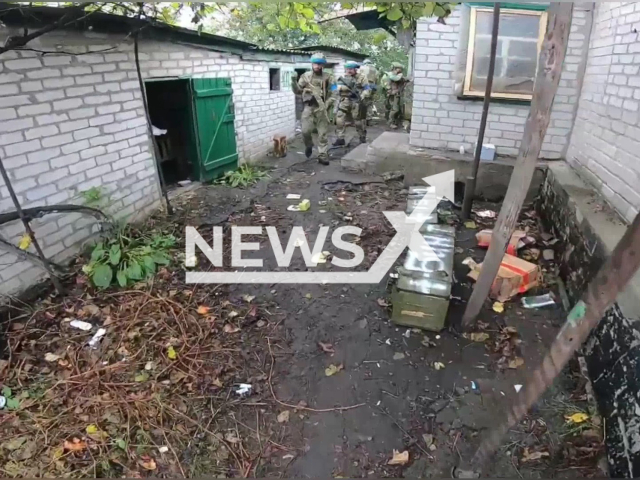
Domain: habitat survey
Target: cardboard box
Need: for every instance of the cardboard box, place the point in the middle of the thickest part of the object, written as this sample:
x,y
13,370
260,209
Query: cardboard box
x,y
514,276
484,239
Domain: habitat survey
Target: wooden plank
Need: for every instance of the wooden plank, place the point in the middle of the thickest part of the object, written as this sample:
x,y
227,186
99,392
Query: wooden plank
x,y
546,85
599,296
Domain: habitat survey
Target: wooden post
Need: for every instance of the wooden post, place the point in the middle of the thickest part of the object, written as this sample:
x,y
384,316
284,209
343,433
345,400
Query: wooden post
x,y
470,188
546,85
29,230
581,320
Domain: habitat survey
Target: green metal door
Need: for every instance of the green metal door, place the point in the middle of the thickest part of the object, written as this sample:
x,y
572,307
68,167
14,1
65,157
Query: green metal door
x,y
214,127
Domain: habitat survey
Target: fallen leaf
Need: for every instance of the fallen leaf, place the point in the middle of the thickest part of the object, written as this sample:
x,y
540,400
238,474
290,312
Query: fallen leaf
x,y
283,417
147,463
433,447
438,365
95,433
171,353
516,362
149,366
248,298
230,328
92,429
25,242
326,347
217,382
51,357
399,458
141,377
76,445
27,451
382,302
428,439
203,309
121,444
232,314
308,296
470,224
14,443
231,437
333,369
498,307
577,417
476,336
528,456
398,356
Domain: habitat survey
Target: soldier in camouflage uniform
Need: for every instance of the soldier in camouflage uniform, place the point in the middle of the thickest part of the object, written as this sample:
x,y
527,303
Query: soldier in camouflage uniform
x,y
316,87
369,79
395,92
348,106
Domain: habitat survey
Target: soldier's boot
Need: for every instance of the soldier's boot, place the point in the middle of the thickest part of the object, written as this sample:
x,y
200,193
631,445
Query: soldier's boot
x,y
363,138
339,142
323,160
308,151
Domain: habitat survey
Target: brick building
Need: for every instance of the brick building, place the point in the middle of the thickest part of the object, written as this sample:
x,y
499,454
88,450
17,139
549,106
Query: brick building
x,y
594,120
72,118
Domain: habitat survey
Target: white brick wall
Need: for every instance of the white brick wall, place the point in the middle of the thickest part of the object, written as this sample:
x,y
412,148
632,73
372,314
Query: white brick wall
x,y
605,143
441,120
72,122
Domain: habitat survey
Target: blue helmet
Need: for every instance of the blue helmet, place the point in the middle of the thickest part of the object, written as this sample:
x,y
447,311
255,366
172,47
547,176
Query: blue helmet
x,y
351,65
318,58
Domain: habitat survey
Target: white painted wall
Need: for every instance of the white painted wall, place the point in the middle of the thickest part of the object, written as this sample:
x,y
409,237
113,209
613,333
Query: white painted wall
x,y
441,120
72,122
605,145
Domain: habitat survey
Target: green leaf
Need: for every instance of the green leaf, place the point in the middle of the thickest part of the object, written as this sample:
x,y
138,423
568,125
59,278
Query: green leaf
x,y
438,11
282,20
121,444
6,392
141,377
121,276
134,271
308,13
428,8
13,403
394,14
98,253
115,254
149,265
102,276
161,258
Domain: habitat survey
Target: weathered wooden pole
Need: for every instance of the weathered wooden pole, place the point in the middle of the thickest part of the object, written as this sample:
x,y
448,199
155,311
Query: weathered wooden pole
x,y
601,293
470,187
29,230
546,85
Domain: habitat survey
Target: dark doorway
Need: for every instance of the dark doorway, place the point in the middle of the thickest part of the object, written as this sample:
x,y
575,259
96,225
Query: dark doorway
x,y
170,109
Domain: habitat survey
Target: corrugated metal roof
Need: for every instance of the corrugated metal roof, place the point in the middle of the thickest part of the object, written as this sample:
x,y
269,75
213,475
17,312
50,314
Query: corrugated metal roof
x,y
331,48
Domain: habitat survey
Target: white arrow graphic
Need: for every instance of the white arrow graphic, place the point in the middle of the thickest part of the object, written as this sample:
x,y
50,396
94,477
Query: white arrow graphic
x,y
407,235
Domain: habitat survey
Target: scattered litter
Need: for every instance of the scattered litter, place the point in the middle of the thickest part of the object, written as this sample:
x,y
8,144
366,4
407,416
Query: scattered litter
x,y
531,254
322,203
514,276
577,417
283,417
528,456
498,307
469,262
473,385
428,439
470,224
3,401
427,342
388,341
288,456
333,369
149,366
399,458
438,365
293,196
163,449
303,206
93,343
486,214
86,326
51,357
393,175
184,183
203,310
407,334
320,257
393,275
548,254
25,242
326,347
517,388
517,240
398,356
322,211
230,328
437,337
539,301
308,296
244,389
516,362
382,302
248,298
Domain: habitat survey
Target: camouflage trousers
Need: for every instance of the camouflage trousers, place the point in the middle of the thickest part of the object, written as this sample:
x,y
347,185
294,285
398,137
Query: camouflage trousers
x,y
395,109
315,118
350,111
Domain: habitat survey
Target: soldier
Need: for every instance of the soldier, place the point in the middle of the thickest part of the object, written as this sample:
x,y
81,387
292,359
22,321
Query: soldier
x,y
348,109
395,92
316,87
369,80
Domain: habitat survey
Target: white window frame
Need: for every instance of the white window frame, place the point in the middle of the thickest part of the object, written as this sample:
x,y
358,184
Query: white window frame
x,y
471,49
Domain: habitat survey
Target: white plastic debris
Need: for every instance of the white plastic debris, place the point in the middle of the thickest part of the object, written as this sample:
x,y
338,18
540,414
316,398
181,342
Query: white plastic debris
x,y
86,326
157,132
3,402
388,341
539,301
163,449
244,389
93,343
393,275
407,334
518,388
293,196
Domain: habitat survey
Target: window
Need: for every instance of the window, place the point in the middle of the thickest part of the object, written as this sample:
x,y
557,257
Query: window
x,y
274,79
520,38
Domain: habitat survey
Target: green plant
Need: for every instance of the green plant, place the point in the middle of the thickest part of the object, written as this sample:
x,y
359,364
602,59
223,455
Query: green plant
x,y
243,177
13,403
126,258
93,196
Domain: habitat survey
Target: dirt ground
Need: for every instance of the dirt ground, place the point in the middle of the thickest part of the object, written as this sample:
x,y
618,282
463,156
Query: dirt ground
x,y
390,388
